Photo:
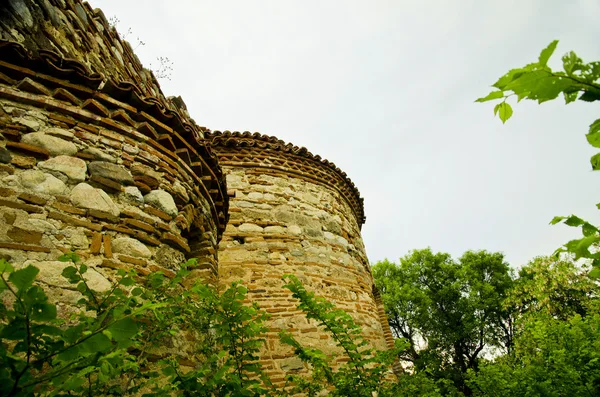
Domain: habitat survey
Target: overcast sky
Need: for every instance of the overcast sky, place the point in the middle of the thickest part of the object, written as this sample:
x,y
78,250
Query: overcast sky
x,y
385,90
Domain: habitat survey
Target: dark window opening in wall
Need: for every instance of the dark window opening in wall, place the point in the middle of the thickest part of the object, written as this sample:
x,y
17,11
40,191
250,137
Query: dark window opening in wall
x,y
239,239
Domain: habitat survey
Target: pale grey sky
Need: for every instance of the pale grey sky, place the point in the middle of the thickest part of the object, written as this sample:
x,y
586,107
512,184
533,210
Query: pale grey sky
x,y
385,90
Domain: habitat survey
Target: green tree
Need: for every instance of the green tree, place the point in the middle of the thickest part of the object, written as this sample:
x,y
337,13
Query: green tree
x,y
448,311
557,342
556,287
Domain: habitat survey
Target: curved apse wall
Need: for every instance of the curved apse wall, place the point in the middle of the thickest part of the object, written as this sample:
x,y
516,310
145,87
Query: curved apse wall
x,y
93,157
294,213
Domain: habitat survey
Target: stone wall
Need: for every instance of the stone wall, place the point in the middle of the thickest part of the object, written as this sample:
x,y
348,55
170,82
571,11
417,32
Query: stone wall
x,y
294,214
93,157
71,34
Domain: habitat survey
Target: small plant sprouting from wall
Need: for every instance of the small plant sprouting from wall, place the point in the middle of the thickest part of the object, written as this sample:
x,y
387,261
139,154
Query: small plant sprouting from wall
x,y
162,67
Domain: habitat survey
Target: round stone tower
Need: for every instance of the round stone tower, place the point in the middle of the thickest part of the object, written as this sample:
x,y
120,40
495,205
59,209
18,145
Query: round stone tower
x,y
293,213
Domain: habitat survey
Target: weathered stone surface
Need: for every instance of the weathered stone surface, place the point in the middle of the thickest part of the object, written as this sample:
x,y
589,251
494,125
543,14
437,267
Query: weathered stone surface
x,y
23,161
280,224
41,182
169,257
76,238
56,146
274,229
181,191
51,274
255,195
250,228
24,236
37,225
291,364
140,169
101,155
161,200
294,230
110,171
5,156
86,196
72,167
133,194
31,125
329,235
59,132
130,246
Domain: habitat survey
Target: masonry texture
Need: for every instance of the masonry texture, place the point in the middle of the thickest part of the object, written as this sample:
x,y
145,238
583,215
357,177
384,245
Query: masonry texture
x,y
294,213
95,159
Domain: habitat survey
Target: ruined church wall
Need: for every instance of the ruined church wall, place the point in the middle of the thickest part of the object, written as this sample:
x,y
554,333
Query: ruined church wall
x,y
68,185
287,221
94,158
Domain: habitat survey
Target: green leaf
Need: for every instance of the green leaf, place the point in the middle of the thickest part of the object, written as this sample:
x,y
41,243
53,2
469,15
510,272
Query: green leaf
x,y
588,229
70,354
15,330
593,136
595,160
490,96
43,312
137,291
24,278
126,281
590,96
547,53
574,221
6,267
95,344
595,273
81,287
540,85
571,63
69,257
108,334
46,329
504,111
558,219
570,96
580,247
70,272
123,330
34,295
508,77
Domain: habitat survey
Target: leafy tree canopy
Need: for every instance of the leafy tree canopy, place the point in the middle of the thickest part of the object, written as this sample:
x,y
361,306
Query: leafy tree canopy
x,y
448,310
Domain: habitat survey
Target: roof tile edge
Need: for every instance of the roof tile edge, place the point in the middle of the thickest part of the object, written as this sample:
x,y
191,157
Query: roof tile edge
x,y
263,141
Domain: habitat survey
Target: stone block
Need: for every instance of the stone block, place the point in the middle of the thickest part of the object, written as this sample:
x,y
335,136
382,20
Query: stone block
x,y
131,247
55,146
41,182
86,196
112,171
73,168
161,200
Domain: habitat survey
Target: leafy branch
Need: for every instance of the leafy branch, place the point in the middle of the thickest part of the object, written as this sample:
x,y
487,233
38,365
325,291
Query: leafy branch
x,y
578,81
